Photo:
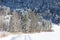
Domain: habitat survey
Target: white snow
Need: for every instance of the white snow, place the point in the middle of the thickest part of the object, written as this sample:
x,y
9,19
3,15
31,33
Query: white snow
x,y
56,28
37,36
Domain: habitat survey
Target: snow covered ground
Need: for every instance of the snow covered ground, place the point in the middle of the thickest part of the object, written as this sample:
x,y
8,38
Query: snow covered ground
x,y
56,28
37,36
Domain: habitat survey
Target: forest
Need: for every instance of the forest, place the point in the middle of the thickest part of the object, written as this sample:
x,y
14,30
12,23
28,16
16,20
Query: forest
x,y
22,21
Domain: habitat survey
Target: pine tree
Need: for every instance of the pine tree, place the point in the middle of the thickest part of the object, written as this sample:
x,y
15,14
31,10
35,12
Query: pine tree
x,y
24,22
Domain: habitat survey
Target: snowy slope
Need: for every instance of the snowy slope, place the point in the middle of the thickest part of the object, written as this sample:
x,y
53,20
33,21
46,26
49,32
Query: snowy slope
x,y
37,36
56,28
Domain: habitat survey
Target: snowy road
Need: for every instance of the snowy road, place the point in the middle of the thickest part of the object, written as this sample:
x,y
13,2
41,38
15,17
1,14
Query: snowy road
x,y
35,36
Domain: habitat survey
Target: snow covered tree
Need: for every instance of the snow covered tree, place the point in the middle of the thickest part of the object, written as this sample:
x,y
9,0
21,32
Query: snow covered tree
x,y
25,22
34,21
1,23
15,23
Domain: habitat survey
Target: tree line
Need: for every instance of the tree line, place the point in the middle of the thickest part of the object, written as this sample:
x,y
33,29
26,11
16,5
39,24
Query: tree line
x,y
22,21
